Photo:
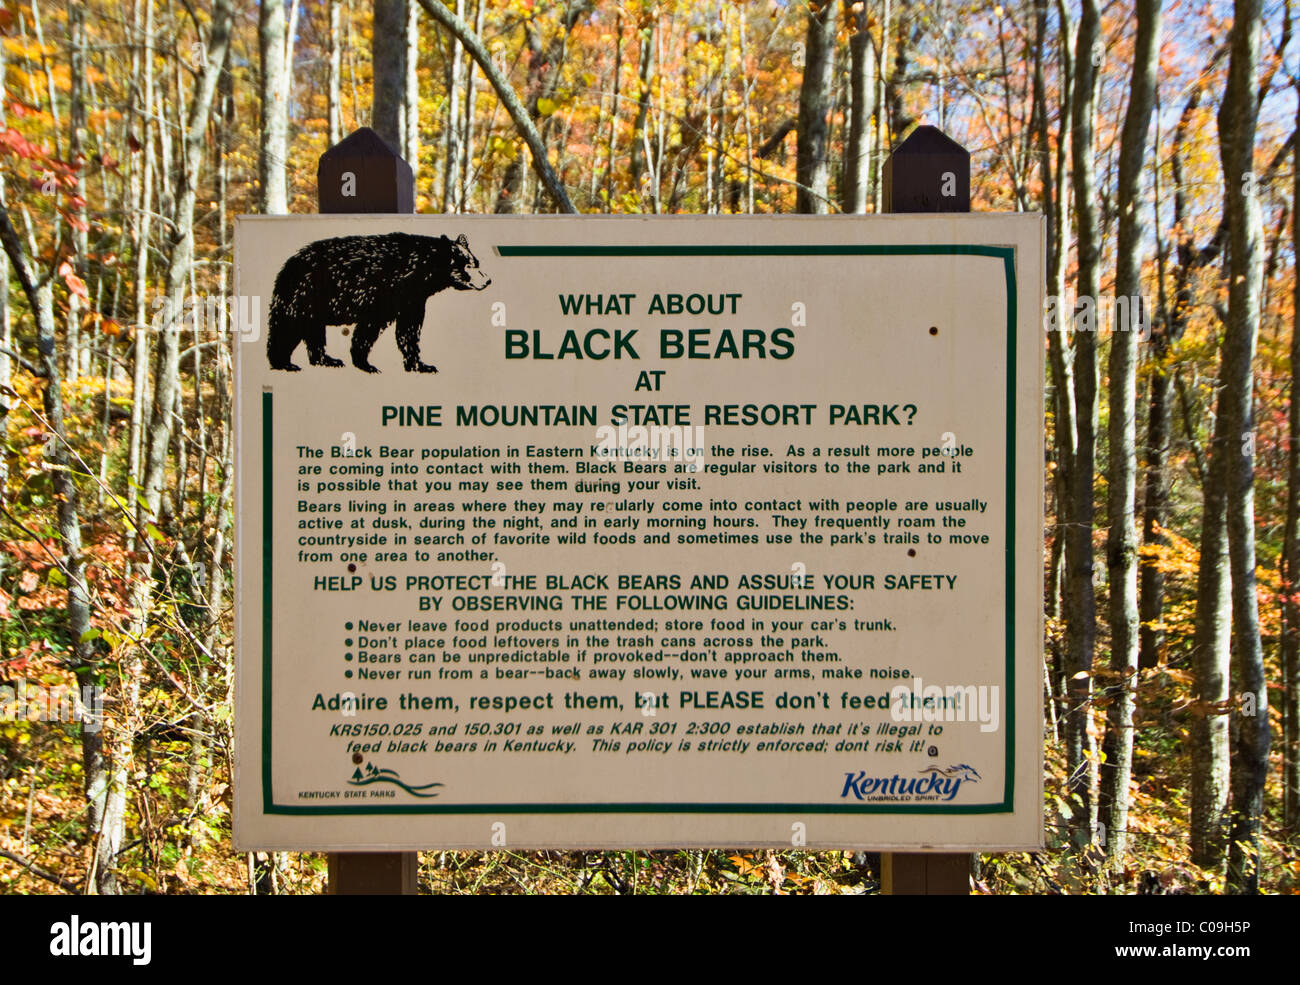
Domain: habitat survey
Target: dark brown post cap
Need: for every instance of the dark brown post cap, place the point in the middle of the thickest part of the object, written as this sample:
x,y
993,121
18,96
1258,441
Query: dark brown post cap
x,y
362,173
927,172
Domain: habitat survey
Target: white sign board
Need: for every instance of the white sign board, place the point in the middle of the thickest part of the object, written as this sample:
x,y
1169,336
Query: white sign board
x,y
704,532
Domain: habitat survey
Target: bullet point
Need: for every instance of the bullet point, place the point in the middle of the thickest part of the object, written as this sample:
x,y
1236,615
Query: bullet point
x,y
348,641
347,673
347,656
347,625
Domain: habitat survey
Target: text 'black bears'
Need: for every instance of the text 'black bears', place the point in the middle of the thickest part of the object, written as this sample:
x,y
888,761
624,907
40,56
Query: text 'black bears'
x,y
368,282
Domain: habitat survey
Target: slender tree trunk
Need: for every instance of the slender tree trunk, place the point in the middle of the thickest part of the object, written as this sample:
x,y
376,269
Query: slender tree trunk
x,y
150,502
1160,407
78,342
1210,661
452,131
882,138
898,81
335,86
1117,749
1291,548
388,55
273,195
6,328
140,387
1211,648
1054,195
645,72
744,108
411,110
105,803
720,138
465,173
812,166
210,579
862,89
1081,761
1155,500
615,112
1237,117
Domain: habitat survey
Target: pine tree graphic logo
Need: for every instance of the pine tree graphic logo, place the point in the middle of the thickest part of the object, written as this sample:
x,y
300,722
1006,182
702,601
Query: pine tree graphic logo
x,y
374,774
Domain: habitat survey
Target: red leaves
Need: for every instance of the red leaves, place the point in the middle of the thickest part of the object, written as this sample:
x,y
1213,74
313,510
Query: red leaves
x,y
75,284
16,143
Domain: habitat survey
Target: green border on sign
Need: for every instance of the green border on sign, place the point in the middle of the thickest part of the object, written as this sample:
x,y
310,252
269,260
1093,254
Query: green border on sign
x,y
268,530
1005,253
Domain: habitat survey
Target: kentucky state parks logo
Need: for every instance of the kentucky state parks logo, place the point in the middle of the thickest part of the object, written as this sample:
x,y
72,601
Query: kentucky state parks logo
x,y
373,775
933,783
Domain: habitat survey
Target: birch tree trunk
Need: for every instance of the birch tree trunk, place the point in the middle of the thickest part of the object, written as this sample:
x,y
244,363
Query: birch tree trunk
x,y
411,109
1291,551
1210,663
273,197
1117,749
1081,760
744,109
453,128
105,798
388,55
1055,193
812,168
1236,454
335,84
6,329
78,343
611,136
1160,406
150,502
140,387
465,169
645,72
862,89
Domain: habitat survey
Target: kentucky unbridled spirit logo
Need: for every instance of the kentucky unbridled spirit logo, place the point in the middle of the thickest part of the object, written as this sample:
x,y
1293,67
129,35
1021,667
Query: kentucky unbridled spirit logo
x,y
373,774
933,783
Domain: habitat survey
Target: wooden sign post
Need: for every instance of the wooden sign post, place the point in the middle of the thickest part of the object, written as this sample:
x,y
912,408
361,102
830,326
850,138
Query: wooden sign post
x,y
927,172
361,173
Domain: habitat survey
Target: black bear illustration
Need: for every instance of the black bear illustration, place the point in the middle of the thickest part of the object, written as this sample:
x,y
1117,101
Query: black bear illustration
x,y
369,282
